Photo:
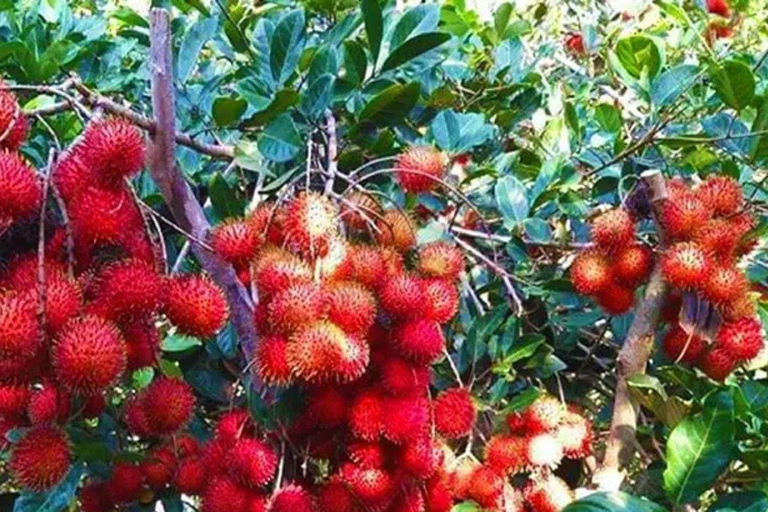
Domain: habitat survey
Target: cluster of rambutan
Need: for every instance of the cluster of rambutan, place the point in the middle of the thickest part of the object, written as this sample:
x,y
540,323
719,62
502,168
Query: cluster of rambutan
x,y
706,227
76,318
612,270
518,472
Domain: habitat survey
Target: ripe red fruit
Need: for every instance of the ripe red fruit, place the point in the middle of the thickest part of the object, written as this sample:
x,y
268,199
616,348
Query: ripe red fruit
x,y
442,298
633,264
351,307
48,405
724,285
366,454
507,454
364,264
252,462
591,272
396,229
13,125
403,296
71,176
359,211
267,222
574,42
322,352
420,341
334,497
13,401
420,457
616,299
295,307
169,404
93,498
373,487
613,230
291,498
719,7
683,347
272,361
741,307
742,339
717,364
19,328
135,416
89,355
686,265
276,270
544,450
543,415
366,416
195,305
722,195
327,406
223,494
547,494
235,241
233,425
113,147
191,475
129,287
399,377
158,467
486,487
575,435
22,191
437,496
455,413
719,238
419,168
103,215
41,458
142,341
310,222
413,417
681,216
440,259
63,300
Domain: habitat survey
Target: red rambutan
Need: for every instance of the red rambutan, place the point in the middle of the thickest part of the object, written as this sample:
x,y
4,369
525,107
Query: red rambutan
x,y
11,120
267,222
22,190
366,416
413,418
507,454
633,264
233,425
169,404
420,457
574,42
310,222
396,229
13,401
135,416
93,498
486,487
103,215
724,285
543,415
366,454
682,216
158,467
294,307
403,296
683,347
544,450
235,241
191,475
63,300
291,498
41,458
71,176
276,269
722,195
129,287
719,238
364,264
142,341
252,462
719,7
334,497
739,308
359,211
420,341
223,494
575,435
19,327
327,406
742,339
437,496
547,494
419,168
686,265
272,361
591,272
717,363
440,259
374,487
322,352
616,299
48,404
196,305
351,307
613,229
442,299
455,413
399,377
114,148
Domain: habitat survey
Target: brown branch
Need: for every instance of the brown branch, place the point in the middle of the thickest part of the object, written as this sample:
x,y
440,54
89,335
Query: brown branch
x,y
182,203
633,359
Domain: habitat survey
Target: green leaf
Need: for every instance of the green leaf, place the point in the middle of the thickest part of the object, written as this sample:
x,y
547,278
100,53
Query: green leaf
x,y
501,18
391,104
247,156
415,21
280,141
734,83
699,449
744,501
227,111
224,198
374,23
512,199
355,62
179,343
287,43
759,145
668,86
194,40
171,369
460,132
608,117
613,502
525,347
639,56
650,393
467,506
55,500
414,47
318,96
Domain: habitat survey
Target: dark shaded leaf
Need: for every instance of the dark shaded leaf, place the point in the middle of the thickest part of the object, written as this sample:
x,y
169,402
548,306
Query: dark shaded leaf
x,y
412,48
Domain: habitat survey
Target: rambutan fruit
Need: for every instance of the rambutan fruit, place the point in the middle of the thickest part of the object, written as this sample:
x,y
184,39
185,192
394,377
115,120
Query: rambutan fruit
x,y
10,116
93,498
142,341
129,287
393,261
71,176
334,497
215,453
591,272
437,497
719,238
186,445
63,300
22,190
103,215
94,405
257,502
267,222
135,417
686,265
291,498
191,475
739,308
169,404
294,307
419,169
48,404
327,406
88,355
366,415
196,305
310,222
359,211
272,361
440,259
331,266
507,454
350,306
374,487
366,454
321,352
235,241
13,401
455,413
17,134
403,296
396,229
365,265
543,415
276,269
724,284
616,299
252,462
399,377
547,493
41,458
420,341
413,417
575,435
114,148
486,487
722,195
442,298
633,265
420,457
19,328
681,346
742,339
158,467
613,229
223,494
574,42
682,216
544,450
719,7
717,363
233,425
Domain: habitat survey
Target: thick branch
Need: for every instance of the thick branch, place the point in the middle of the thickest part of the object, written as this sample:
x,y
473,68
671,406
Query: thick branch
x,y
633,359
176,191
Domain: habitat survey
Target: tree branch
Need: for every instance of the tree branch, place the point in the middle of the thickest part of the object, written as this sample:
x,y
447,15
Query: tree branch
x,y
177,193
633,359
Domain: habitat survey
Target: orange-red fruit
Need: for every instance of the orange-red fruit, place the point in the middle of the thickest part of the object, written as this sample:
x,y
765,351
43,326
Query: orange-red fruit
x,y
334,497
89,355
327,406
455,413
158,467
169,404
396,229
616,299
223,494
420,457
310,223
591,272
719,238
19,327
351,307
543,415
322,352
272,361
233,425
420,341
71,175
507,454
366,416
235,241
419,168
63,300
717,364
682,215
22,191
724,285
403,296
114,148
413,417
686,265
442,298
742,339
372,486
129,287
13,124
360,210
191,475
366,454
48,405
364,264
633,264
575,43
547,494
103,215
719,7
486,487
294,307
722,195
683,347
13,401
575,435
195,305
613,230
41,458
252,462
266,221
437,496
291,498
142,340
135,417
399,377
440,259
276,269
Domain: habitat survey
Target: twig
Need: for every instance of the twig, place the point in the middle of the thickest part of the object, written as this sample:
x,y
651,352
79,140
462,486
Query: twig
x,y
332,151
41,290
70,241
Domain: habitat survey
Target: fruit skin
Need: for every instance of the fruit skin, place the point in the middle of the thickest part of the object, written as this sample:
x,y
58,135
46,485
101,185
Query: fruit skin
x,y
223,494
366,416
129,287
158,467
719,238
13,401
547,494
116,215
41,458
742,339
420,457
114,147
291,498
681,216
195,305
89,355
717,364
321,352
13,124
486,487
544,450
276,269
272,361
685,265
543,415
575,435
420,341
373,487
442,298
591,272
403,296
616,299
135,417
455,413
142,341
334,497
235,241
327,406
295,307
413,416
419,168
679,345
169,404
724,285
191,475
71,176
721,194
506,453
22,191
399,377
63,300
719,7
253,462
633,265
440,259
310,223
48,405
233,425
351,306
613,230
359,210
574,42
396,229
19,328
